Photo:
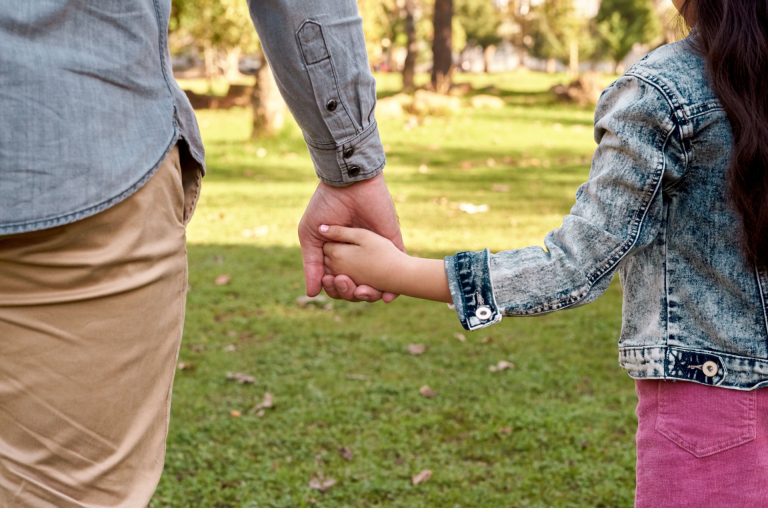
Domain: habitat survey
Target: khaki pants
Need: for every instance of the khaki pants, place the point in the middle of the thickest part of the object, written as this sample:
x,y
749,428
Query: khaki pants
x,y
91,316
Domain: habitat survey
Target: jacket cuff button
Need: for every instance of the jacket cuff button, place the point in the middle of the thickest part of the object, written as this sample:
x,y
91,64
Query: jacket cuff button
x,y
353,171
349,152
332,105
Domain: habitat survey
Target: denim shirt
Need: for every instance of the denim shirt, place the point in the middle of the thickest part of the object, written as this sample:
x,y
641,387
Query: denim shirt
x,y
655,210
89,106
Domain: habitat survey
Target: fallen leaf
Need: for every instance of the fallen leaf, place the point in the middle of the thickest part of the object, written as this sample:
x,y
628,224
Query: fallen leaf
x,y
427,392
266,403
416,349
305,300
184,366
486,339
472,209
235,413
322,484
421,477
466,165
505,431
501,366
242,378
356,376
459,336
222,280
230,348
499,187
346,453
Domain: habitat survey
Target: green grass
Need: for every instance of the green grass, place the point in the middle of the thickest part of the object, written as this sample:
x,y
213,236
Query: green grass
x,y
556,430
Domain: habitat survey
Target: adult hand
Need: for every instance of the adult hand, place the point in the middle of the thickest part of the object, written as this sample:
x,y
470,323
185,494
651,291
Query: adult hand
x,y
365,204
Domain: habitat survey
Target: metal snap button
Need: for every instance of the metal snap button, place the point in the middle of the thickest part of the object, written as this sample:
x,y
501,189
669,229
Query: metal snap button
x,y
353,171
483,313
710,368
331,105
349,152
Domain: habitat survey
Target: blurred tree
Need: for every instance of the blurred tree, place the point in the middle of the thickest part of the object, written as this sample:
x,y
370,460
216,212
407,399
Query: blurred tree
x,y
555,31
220,30
480,20
442,46
412,45
621,24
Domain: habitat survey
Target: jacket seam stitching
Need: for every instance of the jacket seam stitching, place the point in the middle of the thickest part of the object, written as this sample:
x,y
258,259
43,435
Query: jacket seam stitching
x,y
617,254
762,300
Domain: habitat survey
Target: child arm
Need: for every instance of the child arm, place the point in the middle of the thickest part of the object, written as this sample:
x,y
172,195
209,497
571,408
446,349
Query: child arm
x,y
373,260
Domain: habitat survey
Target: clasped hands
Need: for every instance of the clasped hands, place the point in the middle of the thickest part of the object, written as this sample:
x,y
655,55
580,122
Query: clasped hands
x,y
366,204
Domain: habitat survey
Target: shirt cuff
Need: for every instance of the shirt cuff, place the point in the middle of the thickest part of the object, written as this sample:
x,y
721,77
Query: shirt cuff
x,y
469,280
354,159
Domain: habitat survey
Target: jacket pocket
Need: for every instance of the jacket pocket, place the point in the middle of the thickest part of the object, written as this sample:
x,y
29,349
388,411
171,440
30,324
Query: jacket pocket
x,y
705,420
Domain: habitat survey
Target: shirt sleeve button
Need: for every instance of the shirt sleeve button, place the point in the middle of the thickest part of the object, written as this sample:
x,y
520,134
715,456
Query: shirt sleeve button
x,y
332,105
353,171
349,152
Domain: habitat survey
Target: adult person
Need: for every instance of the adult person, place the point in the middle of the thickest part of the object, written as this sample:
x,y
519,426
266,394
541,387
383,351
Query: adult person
x,y
100,167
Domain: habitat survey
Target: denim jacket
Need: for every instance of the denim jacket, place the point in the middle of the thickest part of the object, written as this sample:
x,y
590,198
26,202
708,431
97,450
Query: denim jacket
x,y
89,106
655,210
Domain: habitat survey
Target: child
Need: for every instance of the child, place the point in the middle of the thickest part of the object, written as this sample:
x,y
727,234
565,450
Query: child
x,y
677,203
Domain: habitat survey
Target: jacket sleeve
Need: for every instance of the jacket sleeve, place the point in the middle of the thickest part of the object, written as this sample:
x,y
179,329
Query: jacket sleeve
x,y
316,50
618,211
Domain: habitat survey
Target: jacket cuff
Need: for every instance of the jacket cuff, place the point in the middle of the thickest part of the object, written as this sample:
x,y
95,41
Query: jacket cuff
x,y
469,280
351,160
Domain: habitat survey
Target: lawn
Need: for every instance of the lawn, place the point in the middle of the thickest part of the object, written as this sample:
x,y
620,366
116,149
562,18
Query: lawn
x,y
347,415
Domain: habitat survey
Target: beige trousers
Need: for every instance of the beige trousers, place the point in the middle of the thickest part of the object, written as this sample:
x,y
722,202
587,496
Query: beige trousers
x,y
91,316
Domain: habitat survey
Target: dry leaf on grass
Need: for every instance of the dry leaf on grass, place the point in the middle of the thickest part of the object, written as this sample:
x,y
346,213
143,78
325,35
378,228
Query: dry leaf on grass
x,y
459,336
320,483
242,378
305,300
501,366
235,413
427,392
421,477
230,348
266,403
416,349
346,453
184,366
223,279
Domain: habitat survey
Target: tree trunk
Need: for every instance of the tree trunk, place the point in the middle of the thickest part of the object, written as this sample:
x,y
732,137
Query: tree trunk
x,y
232,65
267,104
409,67
488,53
573,61
442,46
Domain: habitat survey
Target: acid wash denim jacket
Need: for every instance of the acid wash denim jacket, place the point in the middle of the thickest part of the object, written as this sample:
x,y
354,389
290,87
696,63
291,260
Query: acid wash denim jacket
x,y
89,106
656,210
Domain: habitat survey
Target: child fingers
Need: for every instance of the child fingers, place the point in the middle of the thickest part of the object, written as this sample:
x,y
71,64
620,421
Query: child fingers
x,y
341,233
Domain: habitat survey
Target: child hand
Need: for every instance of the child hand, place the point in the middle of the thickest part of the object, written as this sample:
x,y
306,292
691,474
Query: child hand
x,y
363,255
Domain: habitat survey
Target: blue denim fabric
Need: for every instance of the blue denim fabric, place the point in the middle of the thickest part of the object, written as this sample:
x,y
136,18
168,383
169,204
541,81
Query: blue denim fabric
x,y
656,210
89,106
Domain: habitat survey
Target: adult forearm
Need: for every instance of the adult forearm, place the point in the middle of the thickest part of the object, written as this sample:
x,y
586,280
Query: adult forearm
x,y
317,53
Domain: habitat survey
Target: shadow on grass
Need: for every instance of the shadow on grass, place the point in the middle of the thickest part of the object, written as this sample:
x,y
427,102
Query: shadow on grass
x,y
556,430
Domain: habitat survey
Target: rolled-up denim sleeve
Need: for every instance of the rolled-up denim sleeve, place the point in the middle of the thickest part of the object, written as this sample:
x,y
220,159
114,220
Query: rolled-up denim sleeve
x,y
316,50
617,212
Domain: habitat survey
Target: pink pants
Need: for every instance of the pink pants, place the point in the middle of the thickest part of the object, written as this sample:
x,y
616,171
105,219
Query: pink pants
x,y
700,446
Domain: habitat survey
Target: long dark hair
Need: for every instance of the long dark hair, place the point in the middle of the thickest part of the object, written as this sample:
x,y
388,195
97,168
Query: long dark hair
x,y
733,36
